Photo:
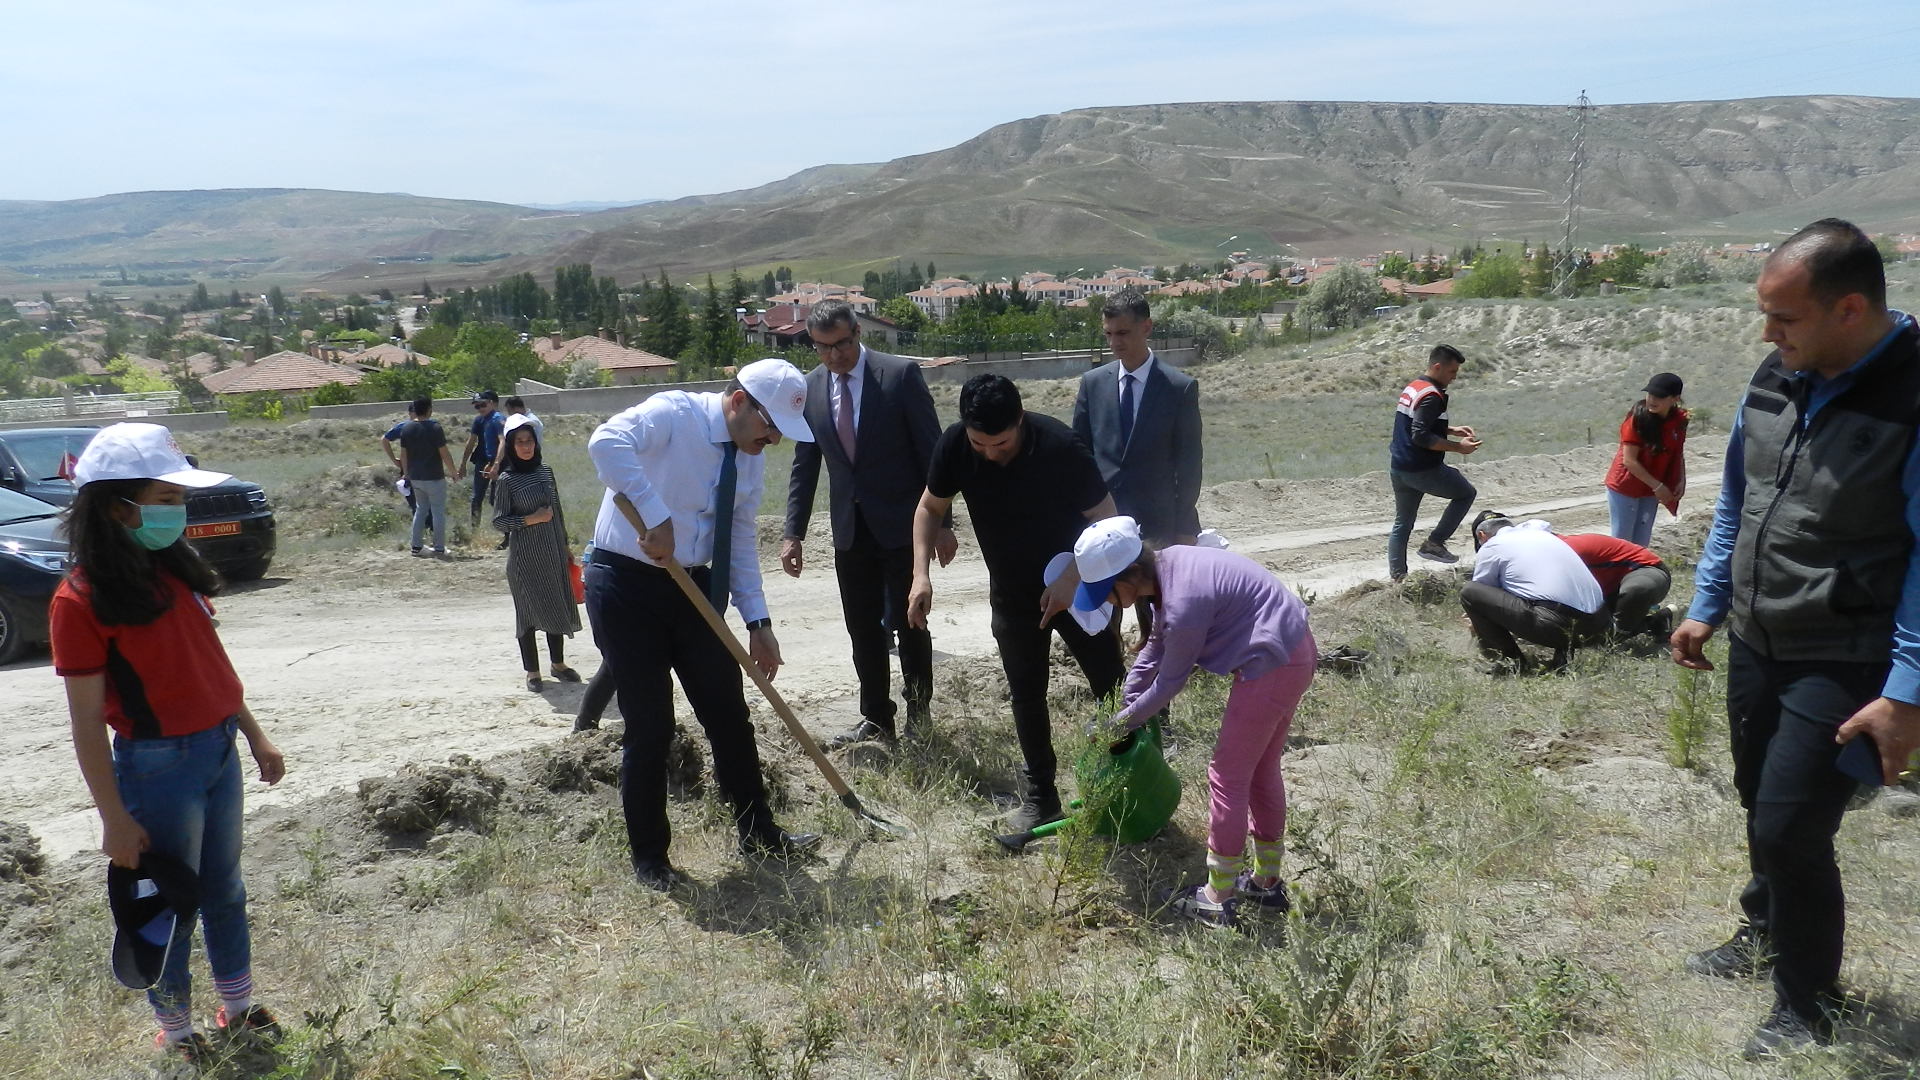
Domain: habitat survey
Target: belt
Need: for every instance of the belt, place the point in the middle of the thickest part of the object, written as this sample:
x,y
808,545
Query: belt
x,y
603,557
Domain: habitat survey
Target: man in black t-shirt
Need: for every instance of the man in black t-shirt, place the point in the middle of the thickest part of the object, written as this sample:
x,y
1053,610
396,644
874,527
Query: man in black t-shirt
x,y
1031,487
426,463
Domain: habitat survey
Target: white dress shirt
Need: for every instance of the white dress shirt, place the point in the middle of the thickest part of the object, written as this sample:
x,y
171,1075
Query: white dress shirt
x,y
1534,564
855,379
1139,376
665,455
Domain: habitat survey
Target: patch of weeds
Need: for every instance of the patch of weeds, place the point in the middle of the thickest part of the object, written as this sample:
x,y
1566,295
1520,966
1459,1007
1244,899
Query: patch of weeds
x,y
1428,589
1035,1027
819,1031
371,521
314,882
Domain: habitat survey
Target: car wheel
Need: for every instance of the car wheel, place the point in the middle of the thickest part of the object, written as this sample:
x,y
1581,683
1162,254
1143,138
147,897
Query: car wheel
x,y
12,633
249,571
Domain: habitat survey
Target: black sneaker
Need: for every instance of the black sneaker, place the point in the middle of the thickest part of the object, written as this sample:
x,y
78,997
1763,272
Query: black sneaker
x,y
657,875
257,1022
1785,1031
863,732
778,844
1438,553
1033,812
1271,897
191,1054
1743,956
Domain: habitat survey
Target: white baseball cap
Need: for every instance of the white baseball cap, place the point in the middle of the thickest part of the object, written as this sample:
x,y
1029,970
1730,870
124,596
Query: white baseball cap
x,y
781,390
140,452
1104,551
517,420
1093,622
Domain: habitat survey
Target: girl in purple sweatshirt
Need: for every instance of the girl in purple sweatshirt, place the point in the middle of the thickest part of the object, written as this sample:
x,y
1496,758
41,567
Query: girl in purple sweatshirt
x,y
1225,613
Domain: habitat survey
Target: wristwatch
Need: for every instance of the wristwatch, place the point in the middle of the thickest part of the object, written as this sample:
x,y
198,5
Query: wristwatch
x,y
758,623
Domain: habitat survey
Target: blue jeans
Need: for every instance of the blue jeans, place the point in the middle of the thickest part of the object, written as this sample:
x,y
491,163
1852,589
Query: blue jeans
x,y
1632,517
429,504
1444,481
185,791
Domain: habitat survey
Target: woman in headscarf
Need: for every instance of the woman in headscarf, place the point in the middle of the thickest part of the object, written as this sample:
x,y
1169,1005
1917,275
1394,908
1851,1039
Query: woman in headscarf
x,y
527,510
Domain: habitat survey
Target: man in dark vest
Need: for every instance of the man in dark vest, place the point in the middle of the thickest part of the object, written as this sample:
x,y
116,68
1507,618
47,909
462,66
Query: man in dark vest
x,y
1810,563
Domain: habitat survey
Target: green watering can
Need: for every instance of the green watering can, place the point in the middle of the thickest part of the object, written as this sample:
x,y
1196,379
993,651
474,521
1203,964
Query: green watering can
x,y
1130,792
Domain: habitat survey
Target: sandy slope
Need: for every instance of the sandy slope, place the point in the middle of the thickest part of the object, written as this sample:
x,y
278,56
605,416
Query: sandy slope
x,y
362,663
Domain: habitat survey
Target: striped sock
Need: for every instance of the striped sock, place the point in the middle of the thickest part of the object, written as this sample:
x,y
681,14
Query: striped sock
x,y
236,994
175,1025
1223,872
1267,855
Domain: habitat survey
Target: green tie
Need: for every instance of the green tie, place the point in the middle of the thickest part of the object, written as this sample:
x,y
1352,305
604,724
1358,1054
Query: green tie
x,y
717,590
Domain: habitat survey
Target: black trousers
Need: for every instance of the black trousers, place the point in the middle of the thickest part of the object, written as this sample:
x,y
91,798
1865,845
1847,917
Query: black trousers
x,y
647,632
1640,590
874,582
1024,647
530,659
1499,617
1782,716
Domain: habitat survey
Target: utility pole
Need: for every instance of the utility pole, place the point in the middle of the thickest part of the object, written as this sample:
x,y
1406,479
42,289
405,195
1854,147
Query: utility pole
x,y
1575,161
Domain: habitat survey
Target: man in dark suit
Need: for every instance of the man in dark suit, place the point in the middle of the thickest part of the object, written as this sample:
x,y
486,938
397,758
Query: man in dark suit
x,y
1141,418
874,425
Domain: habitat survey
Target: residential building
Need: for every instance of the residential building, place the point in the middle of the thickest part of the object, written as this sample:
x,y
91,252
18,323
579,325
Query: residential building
x,y
628,366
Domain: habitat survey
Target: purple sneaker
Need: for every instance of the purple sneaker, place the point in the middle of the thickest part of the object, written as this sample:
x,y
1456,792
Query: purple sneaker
x,y
1192,903
1272,898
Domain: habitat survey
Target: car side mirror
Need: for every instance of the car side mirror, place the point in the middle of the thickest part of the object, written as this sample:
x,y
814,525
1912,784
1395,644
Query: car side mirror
x,y
9,476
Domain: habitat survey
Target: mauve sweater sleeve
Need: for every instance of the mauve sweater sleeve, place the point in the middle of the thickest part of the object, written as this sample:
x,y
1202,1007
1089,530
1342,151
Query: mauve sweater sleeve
x,y
1161,671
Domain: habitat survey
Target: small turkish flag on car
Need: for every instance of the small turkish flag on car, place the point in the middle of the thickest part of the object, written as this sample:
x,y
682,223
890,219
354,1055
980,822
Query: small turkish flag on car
x,y
67,463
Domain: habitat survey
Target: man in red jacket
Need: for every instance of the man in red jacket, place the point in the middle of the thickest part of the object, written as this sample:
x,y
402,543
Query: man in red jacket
x,y
1632,578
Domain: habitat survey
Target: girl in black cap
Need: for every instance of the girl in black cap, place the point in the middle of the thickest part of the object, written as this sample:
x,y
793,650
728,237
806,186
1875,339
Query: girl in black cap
x,y
1649,469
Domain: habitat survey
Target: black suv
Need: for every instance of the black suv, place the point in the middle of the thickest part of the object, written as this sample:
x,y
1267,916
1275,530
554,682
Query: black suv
x,y
230,524
33,558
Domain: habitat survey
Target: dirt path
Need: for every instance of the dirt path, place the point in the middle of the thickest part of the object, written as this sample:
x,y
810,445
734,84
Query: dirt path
x,y
365,662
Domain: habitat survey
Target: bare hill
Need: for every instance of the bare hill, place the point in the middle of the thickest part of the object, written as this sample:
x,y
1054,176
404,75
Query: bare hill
x,y
1134,182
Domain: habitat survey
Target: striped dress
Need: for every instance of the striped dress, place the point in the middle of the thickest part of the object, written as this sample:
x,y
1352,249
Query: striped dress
x,y
537,555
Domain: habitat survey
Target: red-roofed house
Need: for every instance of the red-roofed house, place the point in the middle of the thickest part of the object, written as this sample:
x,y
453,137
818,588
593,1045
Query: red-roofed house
x,y
629,366
283,372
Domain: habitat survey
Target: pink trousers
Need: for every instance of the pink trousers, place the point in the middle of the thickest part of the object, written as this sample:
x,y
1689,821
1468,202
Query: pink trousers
x,y
1249,792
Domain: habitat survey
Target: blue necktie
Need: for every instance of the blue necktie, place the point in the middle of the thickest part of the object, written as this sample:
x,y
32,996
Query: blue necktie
x,y
717,590
1126,410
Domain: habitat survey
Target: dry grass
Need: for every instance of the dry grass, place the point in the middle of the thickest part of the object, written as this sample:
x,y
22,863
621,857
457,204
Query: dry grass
x,y
1493,879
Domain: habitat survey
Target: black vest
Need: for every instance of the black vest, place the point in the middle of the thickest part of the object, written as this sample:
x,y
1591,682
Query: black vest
x,y
1822,551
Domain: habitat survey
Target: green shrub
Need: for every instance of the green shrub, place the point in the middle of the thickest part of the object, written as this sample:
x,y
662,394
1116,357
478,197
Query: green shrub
x,y
334,393
371,521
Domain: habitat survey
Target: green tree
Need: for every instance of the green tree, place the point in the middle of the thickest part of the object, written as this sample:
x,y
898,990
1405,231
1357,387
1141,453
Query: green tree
x,y
1342,297
666,331
767,285
932,274
489,356
1493,276
403,382
1889,249
1396,265
277,301
904,314
1627,265
717,338
1539,274
201,299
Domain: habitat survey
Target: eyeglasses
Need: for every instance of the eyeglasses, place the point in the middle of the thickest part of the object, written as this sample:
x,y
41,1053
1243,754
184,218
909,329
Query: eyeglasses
x,y
764,414
826,347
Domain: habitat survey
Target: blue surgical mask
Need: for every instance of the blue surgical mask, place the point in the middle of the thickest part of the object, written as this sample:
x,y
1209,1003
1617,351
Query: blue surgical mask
x,y
160,524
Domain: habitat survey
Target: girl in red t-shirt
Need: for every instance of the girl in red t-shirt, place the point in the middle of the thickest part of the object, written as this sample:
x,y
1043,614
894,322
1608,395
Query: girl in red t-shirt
x,y
1649,469
134,638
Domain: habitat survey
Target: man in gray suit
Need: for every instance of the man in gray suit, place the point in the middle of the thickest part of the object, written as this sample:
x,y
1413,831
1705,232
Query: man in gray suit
x,y
874,425
1141,418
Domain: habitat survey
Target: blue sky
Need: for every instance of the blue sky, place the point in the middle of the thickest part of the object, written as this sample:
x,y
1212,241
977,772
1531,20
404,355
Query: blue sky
x,y
559,100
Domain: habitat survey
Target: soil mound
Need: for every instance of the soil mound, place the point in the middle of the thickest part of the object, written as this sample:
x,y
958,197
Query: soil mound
x,y
418,799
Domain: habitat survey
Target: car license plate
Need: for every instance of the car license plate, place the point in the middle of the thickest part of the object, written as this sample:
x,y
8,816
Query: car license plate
x,y
213,528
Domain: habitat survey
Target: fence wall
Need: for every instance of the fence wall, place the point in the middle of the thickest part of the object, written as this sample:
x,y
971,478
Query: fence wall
x,y
545,400
193,421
